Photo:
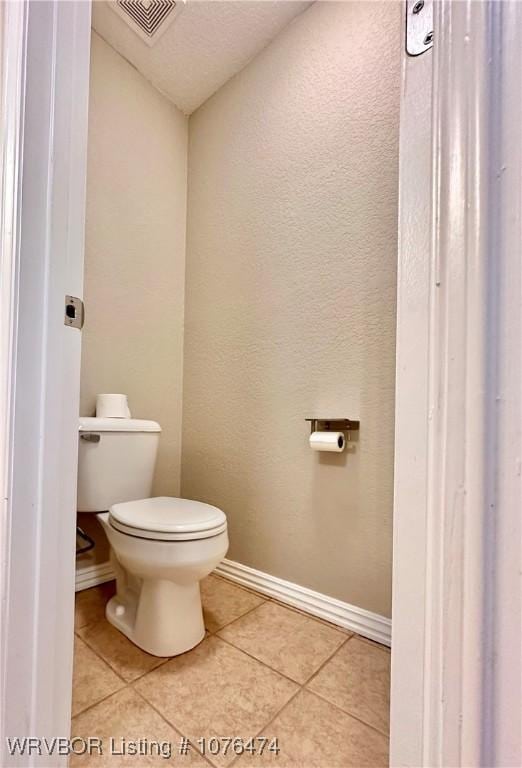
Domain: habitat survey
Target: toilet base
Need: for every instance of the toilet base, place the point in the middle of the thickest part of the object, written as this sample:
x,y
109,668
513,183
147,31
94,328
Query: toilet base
x,y
159,616
158,603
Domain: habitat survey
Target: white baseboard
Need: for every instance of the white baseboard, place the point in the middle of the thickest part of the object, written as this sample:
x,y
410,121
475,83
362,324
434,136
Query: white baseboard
x,y
92,575
365,623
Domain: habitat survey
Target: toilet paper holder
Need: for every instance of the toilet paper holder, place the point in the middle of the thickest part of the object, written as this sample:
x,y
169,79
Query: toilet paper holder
x,y
333,425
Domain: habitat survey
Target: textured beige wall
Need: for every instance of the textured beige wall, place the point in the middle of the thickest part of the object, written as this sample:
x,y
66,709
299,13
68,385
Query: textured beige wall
x,y
290,300
135,251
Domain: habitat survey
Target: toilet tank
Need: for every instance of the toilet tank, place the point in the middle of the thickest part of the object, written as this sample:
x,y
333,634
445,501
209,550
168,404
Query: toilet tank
x,y
116,459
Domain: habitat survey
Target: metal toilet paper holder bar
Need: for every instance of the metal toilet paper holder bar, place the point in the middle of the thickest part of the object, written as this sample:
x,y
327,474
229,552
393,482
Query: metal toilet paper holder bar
x,y
333,425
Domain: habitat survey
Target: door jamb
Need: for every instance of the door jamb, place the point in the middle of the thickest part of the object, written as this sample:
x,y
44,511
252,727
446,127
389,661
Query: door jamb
x,y
459,701
44,82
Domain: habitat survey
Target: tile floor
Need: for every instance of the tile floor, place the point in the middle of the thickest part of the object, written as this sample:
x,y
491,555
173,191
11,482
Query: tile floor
x,y
263,669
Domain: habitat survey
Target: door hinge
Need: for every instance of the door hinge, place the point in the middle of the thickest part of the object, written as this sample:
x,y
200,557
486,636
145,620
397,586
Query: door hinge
x,y
74,312
419,26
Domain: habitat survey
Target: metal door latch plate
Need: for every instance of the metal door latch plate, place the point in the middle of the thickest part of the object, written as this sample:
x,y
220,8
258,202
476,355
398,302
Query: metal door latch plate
x,y
419,26
74,312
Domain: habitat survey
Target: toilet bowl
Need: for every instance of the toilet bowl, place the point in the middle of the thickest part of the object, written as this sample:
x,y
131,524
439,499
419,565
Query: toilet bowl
x,y
162,547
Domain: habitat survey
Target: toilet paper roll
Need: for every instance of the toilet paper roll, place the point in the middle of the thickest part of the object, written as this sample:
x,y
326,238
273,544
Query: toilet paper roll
x,y
327,441
112,406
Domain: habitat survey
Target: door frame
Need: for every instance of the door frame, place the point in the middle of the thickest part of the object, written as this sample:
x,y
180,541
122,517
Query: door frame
x,y
457,541
411,408
45,71
457,597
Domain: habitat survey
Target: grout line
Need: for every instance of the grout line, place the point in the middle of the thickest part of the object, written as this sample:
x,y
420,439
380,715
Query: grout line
x,y
153,669
102,659
100,701
278,601
333,703
297,682
166,659
350,714
113,669
302,687
226,580
77,630
232,621
380,646
311,616
171,725
339,630
263,663
109,666
269,723
325,662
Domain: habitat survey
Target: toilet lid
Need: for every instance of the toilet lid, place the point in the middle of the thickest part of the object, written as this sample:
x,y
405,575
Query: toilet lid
x,y
167,519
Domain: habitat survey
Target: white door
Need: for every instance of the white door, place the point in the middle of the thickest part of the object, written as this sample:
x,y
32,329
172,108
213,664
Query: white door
x,y
45,66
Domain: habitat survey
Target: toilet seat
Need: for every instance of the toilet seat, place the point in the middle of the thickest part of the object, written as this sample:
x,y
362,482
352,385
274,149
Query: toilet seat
x,y
165,518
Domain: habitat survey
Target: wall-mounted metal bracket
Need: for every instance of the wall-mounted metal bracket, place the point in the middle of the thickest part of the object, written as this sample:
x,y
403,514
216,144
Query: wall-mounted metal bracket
x,y
90,437
419,26
89,543
333,425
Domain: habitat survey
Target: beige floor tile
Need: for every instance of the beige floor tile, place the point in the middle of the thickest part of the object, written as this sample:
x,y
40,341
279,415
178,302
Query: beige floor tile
x,y
216,691
125,716
255,592
315,618
312,733
93,680
124,657
290,642
357,679
90,604
223,602
384,648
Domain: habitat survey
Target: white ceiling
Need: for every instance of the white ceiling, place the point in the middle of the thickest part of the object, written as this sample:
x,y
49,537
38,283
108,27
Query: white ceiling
x,y
208,43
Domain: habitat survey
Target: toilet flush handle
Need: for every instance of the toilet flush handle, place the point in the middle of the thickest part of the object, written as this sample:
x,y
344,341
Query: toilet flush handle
x,y
90,437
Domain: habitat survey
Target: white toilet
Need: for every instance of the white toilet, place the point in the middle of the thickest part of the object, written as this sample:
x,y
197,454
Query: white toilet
x,y
160,547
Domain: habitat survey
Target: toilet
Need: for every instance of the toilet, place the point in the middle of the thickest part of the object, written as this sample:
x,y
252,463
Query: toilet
x,y
161,547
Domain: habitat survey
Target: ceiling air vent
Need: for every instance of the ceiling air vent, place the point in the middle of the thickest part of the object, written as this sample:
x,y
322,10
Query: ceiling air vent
x,y
148,18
